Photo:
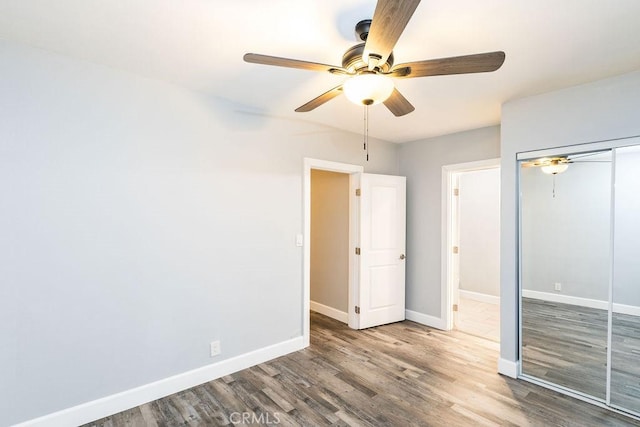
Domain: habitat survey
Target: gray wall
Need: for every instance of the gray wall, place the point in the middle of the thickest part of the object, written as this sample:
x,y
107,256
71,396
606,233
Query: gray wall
x,y
139,222
421,162
602,110
479,216
330,239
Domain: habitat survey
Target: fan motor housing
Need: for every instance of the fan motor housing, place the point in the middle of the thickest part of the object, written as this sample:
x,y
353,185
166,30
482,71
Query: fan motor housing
x,y
362,30
352,60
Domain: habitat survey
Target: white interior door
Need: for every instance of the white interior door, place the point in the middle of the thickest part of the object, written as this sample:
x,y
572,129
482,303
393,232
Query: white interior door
x,y
382,250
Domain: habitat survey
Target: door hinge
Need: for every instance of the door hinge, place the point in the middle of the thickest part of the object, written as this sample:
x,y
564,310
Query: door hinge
x,y
357,310
455,307
456,191
357,251
357,191
456,249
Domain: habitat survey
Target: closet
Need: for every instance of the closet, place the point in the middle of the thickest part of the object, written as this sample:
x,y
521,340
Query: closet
x,y
579,271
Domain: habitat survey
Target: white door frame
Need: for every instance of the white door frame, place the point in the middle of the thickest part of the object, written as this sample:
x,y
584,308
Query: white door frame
x,y
447,273
354,172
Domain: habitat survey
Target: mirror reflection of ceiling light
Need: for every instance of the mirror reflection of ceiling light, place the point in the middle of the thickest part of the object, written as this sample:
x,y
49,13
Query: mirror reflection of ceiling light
x,y
554,167
549,165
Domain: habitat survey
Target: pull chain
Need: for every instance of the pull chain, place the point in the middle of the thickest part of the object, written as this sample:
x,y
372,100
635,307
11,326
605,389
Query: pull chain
x,y
366,130
554,186
364,127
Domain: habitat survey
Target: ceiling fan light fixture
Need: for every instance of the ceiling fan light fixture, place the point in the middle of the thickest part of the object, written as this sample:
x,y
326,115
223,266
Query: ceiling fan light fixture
x,y
554,168
370,62
368,88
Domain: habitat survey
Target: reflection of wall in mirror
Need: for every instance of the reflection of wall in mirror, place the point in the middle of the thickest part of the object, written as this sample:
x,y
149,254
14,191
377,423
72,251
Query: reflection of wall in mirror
x,y
566,230
626,283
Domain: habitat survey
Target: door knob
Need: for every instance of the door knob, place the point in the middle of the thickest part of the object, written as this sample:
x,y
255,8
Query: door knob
x,y
402,256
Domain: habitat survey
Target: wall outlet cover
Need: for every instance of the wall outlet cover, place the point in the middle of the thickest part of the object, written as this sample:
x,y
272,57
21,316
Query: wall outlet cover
x,y
215,348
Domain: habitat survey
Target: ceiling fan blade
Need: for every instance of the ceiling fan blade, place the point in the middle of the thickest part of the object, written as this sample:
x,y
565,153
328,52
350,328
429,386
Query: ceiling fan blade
x,y
256,58
545,161
398,104
530,164
389,21
478,63
318,101
579,156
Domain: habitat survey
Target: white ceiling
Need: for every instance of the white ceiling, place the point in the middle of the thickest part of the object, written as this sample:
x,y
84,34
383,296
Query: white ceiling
x,y
199,44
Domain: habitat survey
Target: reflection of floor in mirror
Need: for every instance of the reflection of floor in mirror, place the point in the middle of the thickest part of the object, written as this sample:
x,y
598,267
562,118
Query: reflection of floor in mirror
x,y
479,318
565,344
625,361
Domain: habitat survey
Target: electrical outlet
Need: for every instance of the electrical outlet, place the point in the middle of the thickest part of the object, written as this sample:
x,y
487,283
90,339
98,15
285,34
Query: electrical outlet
x,y
215,348
558,286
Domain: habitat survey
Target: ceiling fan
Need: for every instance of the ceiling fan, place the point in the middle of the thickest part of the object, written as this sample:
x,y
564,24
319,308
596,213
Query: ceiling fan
x,y
556,165
370,64
549,165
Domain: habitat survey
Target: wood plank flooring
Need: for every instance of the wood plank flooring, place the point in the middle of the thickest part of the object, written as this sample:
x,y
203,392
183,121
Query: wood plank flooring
x,y
478,318
403,374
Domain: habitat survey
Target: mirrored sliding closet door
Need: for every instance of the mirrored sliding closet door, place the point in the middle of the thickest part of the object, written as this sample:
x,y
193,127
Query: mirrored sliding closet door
x,y
580,272
625,317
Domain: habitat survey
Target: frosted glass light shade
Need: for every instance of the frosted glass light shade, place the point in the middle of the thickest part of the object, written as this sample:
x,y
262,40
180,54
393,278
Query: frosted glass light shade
x,y
368,89
555,168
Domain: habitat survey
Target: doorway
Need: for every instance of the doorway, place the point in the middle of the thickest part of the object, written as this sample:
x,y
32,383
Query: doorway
x,y
329,243
471,251
353,172
377,244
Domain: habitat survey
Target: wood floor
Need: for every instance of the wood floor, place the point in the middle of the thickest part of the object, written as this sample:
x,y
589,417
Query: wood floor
x,y
403,374
478,318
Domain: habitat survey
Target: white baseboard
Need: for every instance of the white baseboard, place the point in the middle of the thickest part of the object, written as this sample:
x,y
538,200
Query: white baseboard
x,y
119,402
632,310
508,368
425,319
334,313
477,296
566,299
583,302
